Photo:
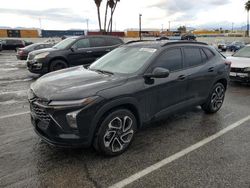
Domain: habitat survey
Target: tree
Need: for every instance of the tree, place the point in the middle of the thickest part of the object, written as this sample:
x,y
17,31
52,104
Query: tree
x,y
182,29
98,4
112,6
247,7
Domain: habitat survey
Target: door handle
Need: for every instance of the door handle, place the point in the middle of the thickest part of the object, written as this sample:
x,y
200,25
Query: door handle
x,y
182,77
89,52
211,69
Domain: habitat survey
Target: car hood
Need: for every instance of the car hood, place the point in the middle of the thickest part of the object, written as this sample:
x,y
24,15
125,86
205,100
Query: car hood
x,y
239,62
43,50
73,84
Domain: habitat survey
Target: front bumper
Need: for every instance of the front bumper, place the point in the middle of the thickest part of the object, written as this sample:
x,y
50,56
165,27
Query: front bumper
x,y
37,66
51,125
239,77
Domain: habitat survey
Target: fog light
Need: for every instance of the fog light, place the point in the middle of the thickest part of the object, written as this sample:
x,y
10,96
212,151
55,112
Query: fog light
x,y
71,119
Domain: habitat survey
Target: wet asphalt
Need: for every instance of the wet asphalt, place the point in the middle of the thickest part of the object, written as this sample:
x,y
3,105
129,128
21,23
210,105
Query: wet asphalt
x,y
26,161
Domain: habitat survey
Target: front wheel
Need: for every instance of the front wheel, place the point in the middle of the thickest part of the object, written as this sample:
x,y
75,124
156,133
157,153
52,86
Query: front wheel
x,y
116,132
57,65
215,99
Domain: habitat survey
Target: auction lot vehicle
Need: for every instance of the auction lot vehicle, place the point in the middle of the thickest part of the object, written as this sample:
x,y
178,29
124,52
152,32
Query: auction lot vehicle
x,y
103,105
22,53
1,46
240,70
73,51
12,44
235,46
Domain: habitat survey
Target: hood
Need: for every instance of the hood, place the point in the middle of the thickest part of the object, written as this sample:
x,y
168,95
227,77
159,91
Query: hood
x,y
73,84
239,62
43,50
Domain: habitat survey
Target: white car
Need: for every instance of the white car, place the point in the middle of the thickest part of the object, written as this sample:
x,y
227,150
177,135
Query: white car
x,y
240,67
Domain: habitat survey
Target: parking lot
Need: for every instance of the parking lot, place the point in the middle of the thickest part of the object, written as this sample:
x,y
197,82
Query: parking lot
x,y
189,149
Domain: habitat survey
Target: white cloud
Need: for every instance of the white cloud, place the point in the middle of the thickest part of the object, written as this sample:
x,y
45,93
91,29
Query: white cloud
x,y
57,14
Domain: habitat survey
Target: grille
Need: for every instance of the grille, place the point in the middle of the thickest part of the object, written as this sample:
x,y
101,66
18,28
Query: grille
x,y
40,112
240,70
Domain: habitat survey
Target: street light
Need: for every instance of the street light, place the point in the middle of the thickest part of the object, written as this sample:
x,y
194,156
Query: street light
x,y
140,15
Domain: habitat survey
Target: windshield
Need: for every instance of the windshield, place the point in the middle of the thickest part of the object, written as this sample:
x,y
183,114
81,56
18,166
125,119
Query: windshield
x,y
124,60
63,44
244,52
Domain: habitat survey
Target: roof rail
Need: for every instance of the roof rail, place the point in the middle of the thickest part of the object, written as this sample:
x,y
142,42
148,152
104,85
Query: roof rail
x,y
184,42
134,41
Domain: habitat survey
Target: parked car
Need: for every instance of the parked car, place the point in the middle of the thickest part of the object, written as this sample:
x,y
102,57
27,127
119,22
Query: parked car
x,y
72,51
1,46
235,46
240,69
22,53
162,38
105,104
13,44
223,46
188,36
27,43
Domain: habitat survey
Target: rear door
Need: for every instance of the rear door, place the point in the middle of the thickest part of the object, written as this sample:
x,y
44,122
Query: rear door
x,y
81,53
199,65
99,47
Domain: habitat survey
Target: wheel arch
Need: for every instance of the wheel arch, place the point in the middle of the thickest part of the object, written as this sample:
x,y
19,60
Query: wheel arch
x,y
223,81
58,58
125,103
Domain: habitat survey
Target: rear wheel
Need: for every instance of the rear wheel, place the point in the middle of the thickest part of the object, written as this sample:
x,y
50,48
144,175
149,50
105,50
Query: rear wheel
x,y
116,132
215,99
57,65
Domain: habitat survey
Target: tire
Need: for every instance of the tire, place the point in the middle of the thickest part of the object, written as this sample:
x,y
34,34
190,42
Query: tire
x,y
215,99
57,65
116,132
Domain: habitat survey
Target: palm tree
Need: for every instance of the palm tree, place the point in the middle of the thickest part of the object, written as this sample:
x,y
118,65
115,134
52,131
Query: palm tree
x,y
247,7
112,5
98,4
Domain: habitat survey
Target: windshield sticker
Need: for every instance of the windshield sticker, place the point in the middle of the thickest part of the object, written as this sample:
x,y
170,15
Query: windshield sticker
x,y
151,50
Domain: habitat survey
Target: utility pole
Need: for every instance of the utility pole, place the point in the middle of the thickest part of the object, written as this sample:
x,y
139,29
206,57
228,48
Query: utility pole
x,y
169,22
232,27
87,21
140,15
40,23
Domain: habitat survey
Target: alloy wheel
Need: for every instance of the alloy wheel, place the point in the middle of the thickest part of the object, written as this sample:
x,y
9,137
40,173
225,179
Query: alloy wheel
x,y
119,133
217,97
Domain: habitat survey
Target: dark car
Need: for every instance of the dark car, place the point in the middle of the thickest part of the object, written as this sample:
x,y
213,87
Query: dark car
x,y
188,36
235,46
12,44
1,46
162,38
22,53
103,105
72,51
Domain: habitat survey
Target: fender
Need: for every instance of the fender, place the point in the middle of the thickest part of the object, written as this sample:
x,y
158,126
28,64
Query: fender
x,y
111,105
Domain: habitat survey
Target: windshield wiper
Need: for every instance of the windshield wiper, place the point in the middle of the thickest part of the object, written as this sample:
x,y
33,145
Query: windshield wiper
x,y
102,71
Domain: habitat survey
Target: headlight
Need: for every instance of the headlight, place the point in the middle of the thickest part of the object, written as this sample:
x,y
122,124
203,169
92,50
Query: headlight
x,y
73,103
41,55
247,69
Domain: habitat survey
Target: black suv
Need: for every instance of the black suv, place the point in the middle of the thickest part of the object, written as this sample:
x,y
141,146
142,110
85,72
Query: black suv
x,y
103,105
72,51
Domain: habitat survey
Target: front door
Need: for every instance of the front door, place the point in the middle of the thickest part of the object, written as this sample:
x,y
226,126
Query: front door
x,y
166,93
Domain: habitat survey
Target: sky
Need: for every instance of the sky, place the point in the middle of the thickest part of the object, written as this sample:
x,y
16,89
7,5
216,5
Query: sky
x,y
59,14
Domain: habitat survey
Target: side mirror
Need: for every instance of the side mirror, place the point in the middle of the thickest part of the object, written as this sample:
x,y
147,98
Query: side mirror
x,y
158,72
73,48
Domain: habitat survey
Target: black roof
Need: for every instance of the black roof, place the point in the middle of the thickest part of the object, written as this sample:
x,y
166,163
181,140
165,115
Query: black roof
x,y
93,36
159,44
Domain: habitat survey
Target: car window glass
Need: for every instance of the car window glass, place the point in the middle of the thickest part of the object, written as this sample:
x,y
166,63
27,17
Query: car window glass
x,y
203,56
98,42
113,41
208,53
170,59
38,47
82,43
192,56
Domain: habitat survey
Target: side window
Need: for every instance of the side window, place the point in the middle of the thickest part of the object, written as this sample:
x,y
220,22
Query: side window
x,y
208,52
203,56
113,41
98,42
170,59
192,56
82,43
